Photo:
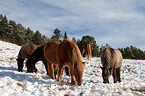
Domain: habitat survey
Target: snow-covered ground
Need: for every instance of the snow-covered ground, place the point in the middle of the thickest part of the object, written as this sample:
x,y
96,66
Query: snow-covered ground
x,y
14,83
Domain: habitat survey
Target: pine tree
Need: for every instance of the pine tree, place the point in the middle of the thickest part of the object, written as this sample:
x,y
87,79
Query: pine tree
x,y
29,35
44,39
65,35
37,38
57,35
3,27
74,39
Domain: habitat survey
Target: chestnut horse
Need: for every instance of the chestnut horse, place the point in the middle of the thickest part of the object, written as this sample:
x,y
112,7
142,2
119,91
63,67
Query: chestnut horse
x,y
87,50
25,52
37,55
111,61
65,53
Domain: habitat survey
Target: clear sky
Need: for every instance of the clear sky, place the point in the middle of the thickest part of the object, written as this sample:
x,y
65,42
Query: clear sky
x,y
120,23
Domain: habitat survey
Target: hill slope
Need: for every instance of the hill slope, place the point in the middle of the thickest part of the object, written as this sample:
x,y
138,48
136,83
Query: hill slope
x,y
14,83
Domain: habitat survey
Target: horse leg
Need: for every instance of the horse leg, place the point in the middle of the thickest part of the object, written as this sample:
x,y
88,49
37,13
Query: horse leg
x,y
21,67
67,71
35,69
50,70
46,67
90,54
118,74
55,70
60,71
114,75
72,76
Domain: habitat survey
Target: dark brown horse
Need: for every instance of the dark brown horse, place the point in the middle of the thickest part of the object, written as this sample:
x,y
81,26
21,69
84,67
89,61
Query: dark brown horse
x,y
38,55
87,50
64,54
111,61
25,52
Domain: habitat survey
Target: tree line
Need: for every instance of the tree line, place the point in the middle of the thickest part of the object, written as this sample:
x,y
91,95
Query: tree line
x,y
18,34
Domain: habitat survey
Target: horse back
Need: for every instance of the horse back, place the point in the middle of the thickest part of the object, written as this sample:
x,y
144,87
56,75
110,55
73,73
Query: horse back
x,y
50,51
27,50
111,58
68,52
65,47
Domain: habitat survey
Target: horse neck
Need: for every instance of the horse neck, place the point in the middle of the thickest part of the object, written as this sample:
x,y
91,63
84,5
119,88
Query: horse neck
x,y
76,55
37,55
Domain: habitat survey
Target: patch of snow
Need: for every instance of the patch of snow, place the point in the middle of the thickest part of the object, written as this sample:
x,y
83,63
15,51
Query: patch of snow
x,y
14,83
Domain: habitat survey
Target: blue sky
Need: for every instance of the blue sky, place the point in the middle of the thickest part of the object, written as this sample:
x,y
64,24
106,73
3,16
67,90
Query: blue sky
x,y
120,23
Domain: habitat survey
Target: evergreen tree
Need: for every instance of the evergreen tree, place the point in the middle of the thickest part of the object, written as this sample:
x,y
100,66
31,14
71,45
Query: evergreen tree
x,y
74,39
37,38
17,34
22,33
4,28
44,39
65,35
29,35
57,35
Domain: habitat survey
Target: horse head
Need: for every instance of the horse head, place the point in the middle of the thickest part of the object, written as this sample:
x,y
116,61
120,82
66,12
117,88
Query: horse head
x,y
78,71
20,64
106,72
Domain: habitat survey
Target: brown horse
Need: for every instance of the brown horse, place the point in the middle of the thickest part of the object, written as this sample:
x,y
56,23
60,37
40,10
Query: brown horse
x,y
64,54
38,55
25,52
111,61
87,50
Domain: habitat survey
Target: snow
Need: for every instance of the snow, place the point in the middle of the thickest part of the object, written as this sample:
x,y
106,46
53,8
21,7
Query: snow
x,y
14,83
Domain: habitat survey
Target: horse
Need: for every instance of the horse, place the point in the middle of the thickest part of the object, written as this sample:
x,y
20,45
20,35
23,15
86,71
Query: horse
x,y
25,52
111,60
37,55
65,53
87,50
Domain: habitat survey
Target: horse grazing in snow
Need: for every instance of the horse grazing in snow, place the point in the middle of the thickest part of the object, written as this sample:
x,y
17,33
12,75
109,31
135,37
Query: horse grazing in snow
x,y
87,50
38,55
25,52
111,60
62,54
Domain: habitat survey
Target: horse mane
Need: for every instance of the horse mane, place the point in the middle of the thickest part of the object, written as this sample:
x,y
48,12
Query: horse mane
x,y
107,56
77,57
